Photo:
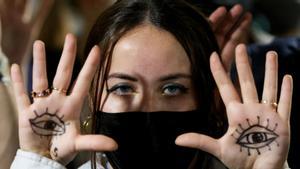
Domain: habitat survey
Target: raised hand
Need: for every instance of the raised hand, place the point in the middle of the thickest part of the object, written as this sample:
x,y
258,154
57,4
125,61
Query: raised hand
x,y
259,133
231,28
50,125
20,23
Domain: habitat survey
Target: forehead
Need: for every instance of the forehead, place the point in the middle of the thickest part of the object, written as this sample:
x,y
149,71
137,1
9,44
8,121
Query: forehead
x,y
149,50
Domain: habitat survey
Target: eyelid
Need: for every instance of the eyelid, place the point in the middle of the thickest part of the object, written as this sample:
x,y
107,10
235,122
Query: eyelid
x,y
182,88
123,84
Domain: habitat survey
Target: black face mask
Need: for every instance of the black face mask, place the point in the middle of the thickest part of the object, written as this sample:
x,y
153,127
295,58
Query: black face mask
x,y
147,139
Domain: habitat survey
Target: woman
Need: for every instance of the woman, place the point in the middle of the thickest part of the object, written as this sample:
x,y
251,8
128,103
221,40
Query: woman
x,y
153,88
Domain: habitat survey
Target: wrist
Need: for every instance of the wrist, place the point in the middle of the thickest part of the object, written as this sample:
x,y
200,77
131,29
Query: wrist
x,y
25,159
44,153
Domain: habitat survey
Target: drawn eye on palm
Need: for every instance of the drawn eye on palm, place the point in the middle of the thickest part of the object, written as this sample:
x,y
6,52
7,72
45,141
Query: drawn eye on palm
x,y
255,136
48,124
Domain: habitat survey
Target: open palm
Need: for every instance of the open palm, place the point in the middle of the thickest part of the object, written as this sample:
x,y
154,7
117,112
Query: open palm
x,y
21,21
50,125
258,134
230,28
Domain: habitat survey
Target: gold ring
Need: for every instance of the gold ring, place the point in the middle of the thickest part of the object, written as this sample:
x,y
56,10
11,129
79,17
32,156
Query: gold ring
x,y
273,104
43,93
59,90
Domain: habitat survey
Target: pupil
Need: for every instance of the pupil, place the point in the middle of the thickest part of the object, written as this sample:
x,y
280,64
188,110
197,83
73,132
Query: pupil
x,y
172,89
50,125
258,137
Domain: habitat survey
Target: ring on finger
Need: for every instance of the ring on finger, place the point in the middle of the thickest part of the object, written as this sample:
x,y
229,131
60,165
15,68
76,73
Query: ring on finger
x,y
64,91
43,93
273,104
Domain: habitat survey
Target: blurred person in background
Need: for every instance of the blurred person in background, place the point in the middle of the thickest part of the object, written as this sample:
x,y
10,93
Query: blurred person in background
x,y
20,24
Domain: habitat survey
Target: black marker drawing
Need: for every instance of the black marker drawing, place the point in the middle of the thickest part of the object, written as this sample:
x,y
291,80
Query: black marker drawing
x,y
256,136
48,124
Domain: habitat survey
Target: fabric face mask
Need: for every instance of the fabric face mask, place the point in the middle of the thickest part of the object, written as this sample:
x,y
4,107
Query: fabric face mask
x,y
147,139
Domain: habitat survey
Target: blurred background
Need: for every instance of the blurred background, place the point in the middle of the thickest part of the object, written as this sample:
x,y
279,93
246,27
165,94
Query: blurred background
x,y
275,26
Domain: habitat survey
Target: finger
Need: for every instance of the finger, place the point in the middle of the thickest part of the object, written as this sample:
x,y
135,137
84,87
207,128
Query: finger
x,y
19,88
20,5
95,143
199,141
64,70
285,101
239,35
39,72
217,17
86,74
249,92
39,17
231,20
270,81
225,86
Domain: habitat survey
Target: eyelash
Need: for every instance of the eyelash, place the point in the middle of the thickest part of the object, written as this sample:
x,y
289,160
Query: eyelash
x,y
124,89
180,89
117,89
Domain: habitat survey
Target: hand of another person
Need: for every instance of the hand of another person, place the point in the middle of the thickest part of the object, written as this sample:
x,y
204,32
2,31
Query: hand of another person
x,y
50,126
231,28
20,23
258,135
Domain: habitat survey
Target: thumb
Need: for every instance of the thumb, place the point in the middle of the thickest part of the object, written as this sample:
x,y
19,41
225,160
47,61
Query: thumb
x,y
95,143
199,141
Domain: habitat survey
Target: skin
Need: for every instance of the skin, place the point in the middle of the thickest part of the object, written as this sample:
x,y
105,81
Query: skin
x,y
150,69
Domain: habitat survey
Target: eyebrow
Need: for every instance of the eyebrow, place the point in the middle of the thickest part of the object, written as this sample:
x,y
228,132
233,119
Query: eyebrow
x,y
122,76
165,78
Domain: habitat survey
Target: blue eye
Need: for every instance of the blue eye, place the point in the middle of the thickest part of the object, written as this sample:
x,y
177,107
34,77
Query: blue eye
x,y
173,89
121,89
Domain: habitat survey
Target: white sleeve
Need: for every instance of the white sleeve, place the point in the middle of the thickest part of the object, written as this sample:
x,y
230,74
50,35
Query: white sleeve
x,y
29,160
286,166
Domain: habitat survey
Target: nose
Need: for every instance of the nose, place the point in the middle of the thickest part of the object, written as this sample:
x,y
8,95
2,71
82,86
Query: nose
x,y
148,102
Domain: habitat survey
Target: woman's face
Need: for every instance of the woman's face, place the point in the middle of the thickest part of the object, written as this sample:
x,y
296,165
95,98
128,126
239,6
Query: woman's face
x,y
150,71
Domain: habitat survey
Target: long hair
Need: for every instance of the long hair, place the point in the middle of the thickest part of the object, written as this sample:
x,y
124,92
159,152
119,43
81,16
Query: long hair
x,y
184,22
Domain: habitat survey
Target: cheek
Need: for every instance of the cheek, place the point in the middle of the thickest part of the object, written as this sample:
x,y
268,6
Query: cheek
x,y
189,103
180,104
114,104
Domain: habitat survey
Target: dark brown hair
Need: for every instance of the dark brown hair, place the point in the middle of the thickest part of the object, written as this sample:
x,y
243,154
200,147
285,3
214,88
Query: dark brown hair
x,y
178,17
